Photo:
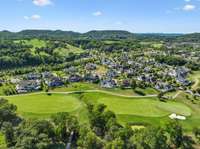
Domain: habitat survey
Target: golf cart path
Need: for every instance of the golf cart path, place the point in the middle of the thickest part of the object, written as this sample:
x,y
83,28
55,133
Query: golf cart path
x,y
195,85
85,91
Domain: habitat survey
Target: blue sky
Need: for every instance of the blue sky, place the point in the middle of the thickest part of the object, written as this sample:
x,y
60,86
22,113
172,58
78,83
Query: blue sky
x,y
169,16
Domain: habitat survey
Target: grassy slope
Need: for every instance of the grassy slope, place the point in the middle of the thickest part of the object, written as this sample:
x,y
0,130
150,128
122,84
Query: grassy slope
x,y
36,43
69,48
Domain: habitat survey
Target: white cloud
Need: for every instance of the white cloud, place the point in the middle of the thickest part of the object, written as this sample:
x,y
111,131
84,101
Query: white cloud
x,y
119,23
42,2
26,17
189,7
97,13
33,17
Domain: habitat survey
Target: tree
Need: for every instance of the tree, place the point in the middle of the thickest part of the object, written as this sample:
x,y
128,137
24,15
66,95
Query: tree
x,y
133,84
65,125
175,132
8,131
160,95
196,132
115,144
8,113
89,140
161,139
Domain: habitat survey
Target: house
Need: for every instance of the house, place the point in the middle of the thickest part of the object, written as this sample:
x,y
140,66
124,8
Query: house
x,y
28,86
54,82
164,87
90,66
112,74
47,75
74,78
33,76
15,80
181,74
108,83
71,70
93,78
2,81
126,83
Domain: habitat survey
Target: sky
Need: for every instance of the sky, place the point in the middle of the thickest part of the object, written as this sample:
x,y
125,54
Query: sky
x,y
137,16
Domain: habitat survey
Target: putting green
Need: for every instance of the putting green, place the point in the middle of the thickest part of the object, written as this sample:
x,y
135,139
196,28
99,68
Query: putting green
x,y
42,104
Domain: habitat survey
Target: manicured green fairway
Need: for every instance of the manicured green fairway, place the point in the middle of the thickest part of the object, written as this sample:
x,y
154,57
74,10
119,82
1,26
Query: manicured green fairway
x,y
137,110
144,107
140,106
44,105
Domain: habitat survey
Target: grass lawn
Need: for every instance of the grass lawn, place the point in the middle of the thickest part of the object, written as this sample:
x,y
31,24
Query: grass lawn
x,y
149,107
2,142
42,105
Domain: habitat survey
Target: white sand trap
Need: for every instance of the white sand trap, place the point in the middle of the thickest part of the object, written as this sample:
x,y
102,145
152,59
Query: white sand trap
x,y
178,117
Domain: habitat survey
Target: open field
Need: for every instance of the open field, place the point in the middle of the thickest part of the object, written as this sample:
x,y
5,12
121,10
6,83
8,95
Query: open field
x,y
68,49
147,110
36,43
152,44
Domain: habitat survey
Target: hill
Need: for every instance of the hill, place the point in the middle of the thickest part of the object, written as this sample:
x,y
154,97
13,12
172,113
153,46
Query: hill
x,y
109,34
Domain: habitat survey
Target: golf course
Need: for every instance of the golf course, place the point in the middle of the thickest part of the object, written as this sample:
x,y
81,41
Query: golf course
x,y
145,110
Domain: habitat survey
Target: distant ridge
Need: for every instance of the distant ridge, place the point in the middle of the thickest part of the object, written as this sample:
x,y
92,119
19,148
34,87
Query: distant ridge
x,y
96,35
109,34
